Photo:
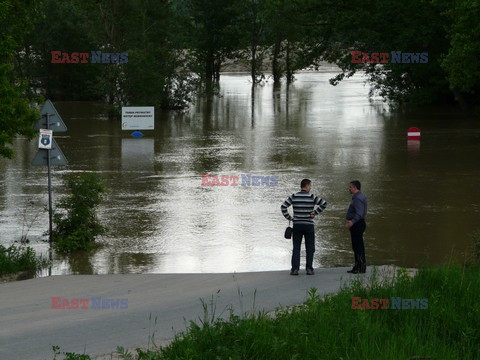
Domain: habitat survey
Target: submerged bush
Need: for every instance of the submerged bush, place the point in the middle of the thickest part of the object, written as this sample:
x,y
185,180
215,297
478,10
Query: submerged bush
x,y
77,226
14,259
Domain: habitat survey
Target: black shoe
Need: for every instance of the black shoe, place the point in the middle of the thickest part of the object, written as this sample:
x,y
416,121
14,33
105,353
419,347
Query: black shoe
x,y
294,272
356,271
310,272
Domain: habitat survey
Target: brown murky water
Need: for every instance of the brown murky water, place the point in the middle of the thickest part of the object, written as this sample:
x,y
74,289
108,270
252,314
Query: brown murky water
x,y
423,197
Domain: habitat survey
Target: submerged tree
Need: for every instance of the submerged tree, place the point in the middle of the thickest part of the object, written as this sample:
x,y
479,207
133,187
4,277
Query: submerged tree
x,y
210,36
173,46
410,27
147,31
16,117
253,20
76,224
462,60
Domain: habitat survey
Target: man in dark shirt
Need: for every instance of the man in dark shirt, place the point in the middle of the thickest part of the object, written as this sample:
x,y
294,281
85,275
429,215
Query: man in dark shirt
x,y
356,214
303,214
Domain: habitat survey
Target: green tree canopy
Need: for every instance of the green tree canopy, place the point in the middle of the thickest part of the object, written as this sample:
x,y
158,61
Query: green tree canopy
x,y
16,116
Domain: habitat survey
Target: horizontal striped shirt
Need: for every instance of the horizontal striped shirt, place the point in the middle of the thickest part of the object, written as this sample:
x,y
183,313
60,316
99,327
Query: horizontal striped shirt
x,y
303,204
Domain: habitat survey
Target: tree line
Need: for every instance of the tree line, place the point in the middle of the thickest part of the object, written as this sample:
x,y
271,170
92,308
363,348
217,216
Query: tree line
x,y
176,49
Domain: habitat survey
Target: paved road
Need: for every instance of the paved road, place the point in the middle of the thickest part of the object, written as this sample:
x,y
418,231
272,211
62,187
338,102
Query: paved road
x,y
29,326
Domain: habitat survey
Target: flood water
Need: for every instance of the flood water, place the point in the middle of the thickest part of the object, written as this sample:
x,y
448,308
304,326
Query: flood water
x,y
423,196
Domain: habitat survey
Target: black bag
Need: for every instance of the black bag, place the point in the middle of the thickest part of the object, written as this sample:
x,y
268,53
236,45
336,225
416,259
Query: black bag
x,y
288,231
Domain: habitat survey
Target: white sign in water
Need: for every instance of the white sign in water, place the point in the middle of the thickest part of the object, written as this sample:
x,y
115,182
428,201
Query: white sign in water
x,y
138,118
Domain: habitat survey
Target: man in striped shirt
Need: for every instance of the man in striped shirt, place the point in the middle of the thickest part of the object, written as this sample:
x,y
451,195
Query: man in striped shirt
x,y
303,214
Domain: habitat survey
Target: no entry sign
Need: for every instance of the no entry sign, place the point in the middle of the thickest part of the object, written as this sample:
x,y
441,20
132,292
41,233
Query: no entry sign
x,y
413,133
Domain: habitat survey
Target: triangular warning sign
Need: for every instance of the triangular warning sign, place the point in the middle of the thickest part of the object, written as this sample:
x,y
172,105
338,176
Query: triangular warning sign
x,y
55,121
56,156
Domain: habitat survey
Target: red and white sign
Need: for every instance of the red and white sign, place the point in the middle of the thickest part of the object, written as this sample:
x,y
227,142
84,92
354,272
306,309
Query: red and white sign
x,y
413,133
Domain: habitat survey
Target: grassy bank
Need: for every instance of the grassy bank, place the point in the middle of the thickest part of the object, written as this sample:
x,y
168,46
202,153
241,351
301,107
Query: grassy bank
x,y
329,328
16,259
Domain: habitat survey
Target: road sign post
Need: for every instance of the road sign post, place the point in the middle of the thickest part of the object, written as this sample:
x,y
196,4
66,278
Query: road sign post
x,y
50,210
49,153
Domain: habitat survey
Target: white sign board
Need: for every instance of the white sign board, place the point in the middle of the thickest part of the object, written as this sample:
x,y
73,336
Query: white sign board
x,y
138,118
45,139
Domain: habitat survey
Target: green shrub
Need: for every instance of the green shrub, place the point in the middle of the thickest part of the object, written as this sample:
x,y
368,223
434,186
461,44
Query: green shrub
x,y
77,226
18,258
68,355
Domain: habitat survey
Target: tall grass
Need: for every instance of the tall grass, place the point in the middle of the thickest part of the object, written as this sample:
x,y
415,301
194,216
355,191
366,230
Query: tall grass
x,y
328,328
15,259
476,244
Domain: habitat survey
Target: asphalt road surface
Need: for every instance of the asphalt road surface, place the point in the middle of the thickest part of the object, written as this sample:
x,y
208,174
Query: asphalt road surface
x,y
128,310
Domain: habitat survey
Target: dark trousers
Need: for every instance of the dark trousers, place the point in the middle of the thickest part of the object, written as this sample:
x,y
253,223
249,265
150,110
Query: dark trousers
x,y
356,232
298,232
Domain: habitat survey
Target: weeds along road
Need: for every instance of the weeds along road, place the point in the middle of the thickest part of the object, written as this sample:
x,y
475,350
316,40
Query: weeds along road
x,y
96,313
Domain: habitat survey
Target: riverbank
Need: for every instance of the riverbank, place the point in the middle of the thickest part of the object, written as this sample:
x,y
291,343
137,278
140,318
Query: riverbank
x,y
433,315
150,306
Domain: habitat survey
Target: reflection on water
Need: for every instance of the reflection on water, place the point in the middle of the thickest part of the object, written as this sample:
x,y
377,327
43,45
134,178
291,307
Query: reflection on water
x,y
137,154
423,196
